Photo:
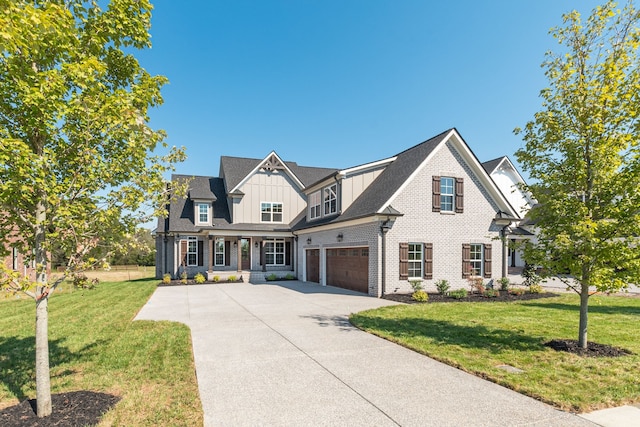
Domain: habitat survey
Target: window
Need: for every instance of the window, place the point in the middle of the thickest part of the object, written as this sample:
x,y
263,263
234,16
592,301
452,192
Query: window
x,y
446,194
314,205
15,259
271,212
331,199
475,260
192,251
274,252
219,251
203,213
415,259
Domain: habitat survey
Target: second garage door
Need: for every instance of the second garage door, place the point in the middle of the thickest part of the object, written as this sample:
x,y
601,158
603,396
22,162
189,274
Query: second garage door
x,y
348,268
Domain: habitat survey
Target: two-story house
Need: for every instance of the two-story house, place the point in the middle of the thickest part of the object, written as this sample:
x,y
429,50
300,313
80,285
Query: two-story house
x,y
427,213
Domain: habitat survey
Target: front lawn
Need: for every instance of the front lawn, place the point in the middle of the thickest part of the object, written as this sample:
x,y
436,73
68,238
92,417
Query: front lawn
x,y
95,345
478,337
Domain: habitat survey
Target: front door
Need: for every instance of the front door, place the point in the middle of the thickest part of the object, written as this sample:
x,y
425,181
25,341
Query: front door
x,y
245,254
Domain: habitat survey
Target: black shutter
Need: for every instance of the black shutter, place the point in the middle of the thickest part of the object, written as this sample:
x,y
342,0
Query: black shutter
x,y
287,253
435,198
227,252
200,253
466,260
487,261
404,261
428,260
459,195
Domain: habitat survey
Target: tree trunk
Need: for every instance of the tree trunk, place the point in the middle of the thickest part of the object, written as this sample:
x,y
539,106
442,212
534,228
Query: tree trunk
x,y
584,314
43,380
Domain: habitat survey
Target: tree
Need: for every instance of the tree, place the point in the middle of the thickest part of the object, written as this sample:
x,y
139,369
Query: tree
x,y
581,152
77,159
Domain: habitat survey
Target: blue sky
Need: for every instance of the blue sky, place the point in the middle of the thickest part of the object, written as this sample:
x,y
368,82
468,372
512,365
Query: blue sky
x,y
337,83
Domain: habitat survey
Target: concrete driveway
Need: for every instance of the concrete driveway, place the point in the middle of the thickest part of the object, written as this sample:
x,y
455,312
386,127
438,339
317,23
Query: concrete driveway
x,y
286,355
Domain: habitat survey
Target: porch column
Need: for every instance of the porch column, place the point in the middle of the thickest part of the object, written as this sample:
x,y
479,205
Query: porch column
x,y
262,256
239,253
210,266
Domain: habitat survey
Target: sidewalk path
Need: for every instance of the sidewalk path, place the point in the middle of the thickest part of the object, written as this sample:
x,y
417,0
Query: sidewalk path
x,y
284,355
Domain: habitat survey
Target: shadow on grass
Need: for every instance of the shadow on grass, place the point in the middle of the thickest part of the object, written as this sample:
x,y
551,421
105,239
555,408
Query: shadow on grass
x,y
17,362
593,308
447,333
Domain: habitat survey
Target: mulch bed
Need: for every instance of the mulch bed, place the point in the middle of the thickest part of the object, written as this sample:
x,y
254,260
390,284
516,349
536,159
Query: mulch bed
x,y
77,408
436,297
593,348
193,282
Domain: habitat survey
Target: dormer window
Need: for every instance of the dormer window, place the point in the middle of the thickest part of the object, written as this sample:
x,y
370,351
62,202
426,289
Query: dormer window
x,y
314,205
203,214
331,199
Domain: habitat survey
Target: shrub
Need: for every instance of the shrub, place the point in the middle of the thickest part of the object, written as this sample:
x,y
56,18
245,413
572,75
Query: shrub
x,y
420,296
183,278
504,283
269,277
476,284
530,276
216,278
491,293
166,278
199,278
442,286
516,291
458,293
416,285
536,289
289,276
232,278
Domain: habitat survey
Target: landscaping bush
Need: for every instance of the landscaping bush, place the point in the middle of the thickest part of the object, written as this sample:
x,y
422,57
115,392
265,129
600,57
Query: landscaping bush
x,y
530,276
232,278
504,283
442,286
420,296
491,293
166,279
199,278
270,277
416,285
289,276
183,278
476,284
536,289
516,291
216,278
458,293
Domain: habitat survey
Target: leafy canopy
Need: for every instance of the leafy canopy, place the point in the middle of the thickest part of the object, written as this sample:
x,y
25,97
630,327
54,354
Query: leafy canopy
x,y
74,132
582,153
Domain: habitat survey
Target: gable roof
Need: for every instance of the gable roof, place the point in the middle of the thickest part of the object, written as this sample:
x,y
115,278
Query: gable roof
x,y
492,165
235,170
378,197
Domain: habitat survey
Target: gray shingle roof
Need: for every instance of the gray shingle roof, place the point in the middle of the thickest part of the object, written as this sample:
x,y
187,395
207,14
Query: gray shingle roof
x,y
491,165
385,185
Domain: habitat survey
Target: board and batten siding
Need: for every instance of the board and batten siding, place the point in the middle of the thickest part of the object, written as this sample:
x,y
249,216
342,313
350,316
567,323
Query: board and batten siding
x,y
274,186
354,185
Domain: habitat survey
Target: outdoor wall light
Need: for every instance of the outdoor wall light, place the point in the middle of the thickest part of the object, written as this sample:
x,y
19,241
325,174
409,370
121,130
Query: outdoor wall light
x,y
257,245
308,240
340,237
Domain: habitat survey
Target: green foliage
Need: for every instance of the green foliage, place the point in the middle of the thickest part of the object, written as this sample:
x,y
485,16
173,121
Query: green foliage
x,y
420,296
416,285
272,277
531,276
443,286
199,278
183,277
491,293
216,278
582,153
289,276
536,289
81,281
504,283
516,291
166,278
233,278
458,293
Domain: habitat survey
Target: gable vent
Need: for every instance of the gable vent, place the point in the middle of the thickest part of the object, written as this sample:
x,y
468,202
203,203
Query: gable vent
x,y
272,163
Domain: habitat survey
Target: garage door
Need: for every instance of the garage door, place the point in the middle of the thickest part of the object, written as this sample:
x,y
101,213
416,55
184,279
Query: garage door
x,y
313,265
348,268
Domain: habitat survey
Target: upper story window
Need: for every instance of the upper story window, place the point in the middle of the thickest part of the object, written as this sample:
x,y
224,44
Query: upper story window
x,y
314,205
331,199
446,194
203,213
271,212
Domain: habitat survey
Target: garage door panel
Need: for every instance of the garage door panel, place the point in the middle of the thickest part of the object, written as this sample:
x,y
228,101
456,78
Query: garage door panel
x,y
348,268
313,265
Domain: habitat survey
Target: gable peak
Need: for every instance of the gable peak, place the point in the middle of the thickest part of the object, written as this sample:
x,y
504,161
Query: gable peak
x,y
272,162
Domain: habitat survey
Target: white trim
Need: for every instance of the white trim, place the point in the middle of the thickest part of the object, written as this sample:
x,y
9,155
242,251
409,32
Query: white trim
x,y
250,233
271,211
366,166
259,166
197,213
344,224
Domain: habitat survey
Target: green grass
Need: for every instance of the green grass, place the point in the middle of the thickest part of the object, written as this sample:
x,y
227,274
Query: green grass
x,y
477,337
95,345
